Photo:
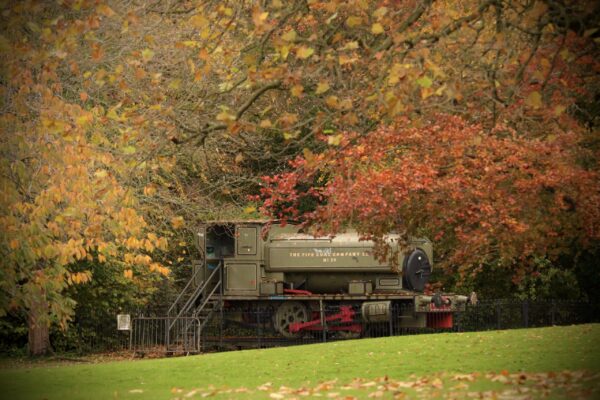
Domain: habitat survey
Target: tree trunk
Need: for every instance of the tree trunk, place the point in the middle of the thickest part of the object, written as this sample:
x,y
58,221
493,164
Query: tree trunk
x,y
38,324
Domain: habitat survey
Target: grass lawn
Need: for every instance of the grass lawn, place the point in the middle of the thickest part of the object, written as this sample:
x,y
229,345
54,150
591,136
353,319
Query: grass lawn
x,y
563,362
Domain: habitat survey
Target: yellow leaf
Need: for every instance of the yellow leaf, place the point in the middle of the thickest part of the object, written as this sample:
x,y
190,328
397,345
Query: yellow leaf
x,y
289,36
177,222
297,90
225,116
187,43
227,11
334,140
198,21
304,52
128,274
205,33
344,59
380,12
14,244
129,150
147,54
175,84
112,114
259,18
284,51
353,21
322,87
558,110
84,120
101,173
534,100
249,210
290,135
377,28
353,45
148,246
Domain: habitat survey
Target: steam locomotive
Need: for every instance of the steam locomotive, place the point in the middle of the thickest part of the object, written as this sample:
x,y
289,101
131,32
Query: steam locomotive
x,y
251,263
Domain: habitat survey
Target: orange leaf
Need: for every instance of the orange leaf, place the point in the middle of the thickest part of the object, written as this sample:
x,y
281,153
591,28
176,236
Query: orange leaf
x,y
304,52
297,90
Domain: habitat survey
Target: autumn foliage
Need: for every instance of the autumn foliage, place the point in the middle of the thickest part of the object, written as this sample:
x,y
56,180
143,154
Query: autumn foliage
x,y
122,126
481,196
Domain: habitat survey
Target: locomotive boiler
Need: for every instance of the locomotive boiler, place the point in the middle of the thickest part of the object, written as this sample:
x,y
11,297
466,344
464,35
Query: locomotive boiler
x,y
250,264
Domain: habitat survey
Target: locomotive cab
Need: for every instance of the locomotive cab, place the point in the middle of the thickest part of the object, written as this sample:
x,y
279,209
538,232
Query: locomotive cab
x,y
234,247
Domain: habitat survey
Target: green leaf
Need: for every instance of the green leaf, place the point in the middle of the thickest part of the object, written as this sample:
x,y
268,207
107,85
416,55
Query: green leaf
x,y
129,150
425,82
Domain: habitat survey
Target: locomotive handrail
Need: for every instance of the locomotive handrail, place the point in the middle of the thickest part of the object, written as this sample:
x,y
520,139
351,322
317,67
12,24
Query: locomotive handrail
x,y
208,298
194,295
183,292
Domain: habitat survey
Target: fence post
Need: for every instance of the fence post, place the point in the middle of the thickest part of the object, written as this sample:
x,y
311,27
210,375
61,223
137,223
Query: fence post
x,y
131,334
525,313
497,314
392,320
322,312
258,320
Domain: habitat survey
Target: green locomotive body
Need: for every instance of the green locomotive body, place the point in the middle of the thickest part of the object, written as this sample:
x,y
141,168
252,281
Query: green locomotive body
x,y
298,274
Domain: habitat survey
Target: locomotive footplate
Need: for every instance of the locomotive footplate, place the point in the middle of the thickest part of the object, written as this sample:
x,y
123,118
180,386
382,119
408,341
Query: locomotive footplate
x,y
326,297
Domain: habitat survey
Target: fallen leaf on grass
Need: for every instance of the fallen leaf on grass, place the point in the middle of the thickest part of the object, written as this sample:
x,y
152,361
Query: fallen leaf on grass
x,y
460,386
266,387
464,377
437,383
136,391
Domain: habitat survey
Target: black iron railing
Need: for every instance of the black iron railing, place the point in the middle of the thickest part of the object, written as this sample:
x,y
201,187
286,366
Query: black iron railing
x,y
253,328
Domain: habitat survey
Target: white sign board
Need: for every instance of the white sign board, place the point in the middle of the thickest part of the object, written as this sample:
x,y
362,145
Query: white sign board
x,y
124,322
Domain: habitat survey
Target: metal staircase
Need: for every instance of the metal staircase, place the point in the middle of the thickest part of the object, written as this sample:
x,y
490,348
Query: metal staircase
x,y
192,310
180,330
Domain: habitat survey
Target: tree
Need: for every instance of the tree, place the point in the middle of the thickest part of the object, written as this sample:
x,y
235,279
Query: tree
x,y
62,196
482,196
124,124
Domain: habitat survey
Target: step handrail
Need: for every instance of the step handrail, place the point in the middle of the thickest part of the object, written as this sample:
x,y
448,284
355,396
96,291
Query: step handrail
x,y
195,294
183,291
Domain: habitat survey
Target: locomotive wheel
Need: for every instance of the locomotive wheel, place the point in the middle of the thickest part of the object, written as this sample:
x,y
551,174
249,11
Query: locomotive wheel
x,y
287,314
